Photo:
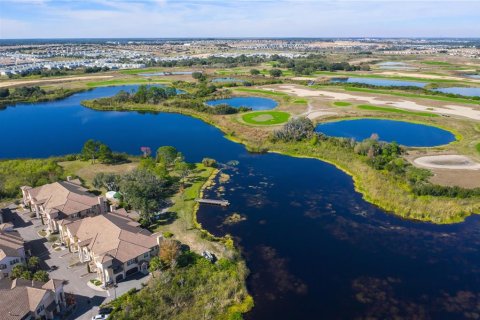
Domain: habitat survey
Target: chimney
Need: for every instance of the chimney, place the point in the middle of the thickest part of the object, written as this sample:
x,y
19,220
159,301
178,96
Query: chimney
x,y
101,203
69,178
113,208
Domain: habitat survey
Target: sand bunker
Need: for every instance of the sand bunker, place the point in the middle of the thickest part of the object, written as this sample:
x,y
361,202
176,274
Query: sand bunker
x,y
447,162
456,110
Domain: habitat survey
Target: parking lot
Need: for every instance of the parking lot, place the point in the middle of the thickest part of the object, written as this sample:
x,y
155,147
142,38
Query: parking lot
x,y
68,267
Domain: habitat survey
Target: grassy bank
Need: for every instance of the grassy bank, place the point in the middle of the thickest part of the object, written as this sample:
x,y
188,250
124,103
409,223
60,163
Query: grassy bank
x,y
119,82
52,95
376,186
393,110
411,95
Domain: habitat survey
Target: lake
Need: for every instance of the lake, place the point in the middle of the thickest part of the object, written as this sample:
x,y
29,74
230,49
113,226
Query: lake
x,y
315,248
380,82
227,80
394,65
405,133
464,91
256,103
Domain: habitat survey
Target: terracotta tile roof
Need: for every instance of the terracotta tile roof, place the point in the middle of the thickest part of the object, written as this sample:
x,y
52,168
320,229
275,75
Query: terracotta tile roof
x,y
113,236
19,298
65,196
10,243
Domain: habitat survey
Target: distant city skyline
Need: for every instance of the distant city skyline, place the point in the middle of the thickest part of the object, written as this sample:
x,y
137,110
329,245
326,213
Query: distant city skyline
x,y
214,18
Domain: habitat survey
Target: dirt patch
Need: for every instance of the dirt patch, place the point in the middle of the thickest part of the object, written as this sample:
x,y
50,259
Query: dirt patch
x,y
461,178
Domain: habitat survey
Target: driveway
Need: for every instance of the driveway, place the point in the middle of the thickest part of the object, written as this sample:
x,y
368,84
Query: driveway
x,y
76,276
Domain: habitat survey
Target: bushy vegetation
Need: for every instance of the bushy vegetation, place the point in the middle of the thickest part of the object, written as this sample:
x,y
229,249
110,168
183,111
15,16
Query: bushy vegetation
x,y
30,271
295,130
194,100
31,172
194,289
31,94
146,188
313,63
95,150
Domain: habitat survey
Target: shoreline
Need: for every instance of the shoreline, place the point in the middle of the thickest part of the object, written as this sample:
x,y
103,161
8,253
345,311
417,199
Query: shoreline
x,y
423,204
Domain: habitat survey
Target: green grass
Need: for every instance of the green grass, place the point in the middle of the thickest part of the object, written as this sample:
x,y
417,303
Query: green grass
x,y
266,117
342,104
478,147
394,110
137,71
412,95
271,93
300,101
123,82
379,76
436,63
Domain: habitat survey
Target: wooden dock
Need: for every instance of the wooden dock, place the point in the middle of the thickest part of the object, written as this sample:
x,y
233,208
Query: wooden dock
x,y
222,203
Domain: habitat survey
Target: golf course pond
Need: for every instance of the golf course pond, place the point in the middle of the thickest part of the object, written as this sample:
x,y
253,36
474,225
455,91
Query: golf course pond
x,y
464,91
380,82
314,247
256,103
404,133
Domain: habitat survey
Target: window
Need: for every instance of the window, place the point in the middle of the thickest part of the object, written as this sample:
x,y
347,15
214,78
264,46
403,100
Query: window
x,y
3,266
146,255
40,309
14,261
130,262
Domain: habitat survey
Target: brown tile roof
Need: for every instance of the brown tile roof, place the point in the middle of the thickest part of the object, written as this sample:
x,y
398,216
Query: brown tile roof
x,y
113,236
19,297
64,196
10,243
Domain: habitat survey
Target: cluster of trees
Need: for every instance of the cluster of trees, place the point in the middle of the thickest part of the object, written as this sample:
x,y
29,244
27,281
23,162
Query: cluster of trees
x,y
31,172
145,94
95,150
296,129
194,288
30,271
146,188
226,62
310,64
95,69
56,72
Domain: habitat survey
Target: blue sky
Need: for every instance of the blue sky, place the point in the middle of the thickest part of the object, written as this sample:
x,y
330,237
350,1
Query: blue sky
x,y
240,18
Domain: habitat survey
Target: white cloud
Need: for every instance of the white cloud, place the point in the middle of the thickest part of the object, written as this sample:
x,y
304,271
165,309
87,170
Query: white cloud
x,y
259,18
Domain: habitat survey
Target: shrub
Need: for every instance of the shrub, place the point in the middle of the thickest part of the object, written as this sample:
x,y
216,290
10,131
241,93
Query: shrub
x,y
295,130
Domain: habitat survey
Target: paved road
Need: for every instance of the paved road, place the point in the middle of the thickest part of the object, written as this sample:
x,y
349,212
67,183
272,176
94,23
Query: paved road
x,y
76,276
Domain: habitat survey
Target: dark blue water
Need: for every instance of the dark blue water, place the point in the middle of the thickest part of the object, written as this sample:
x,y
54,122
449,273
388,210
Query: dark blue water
x,y
227,80
315,249
256,103
61,127
380,82
405,133
464,91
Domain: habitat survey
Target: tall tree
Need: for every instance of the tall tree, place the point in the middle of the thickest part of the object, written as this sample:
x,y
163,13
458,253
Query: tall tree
x,y
90,150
